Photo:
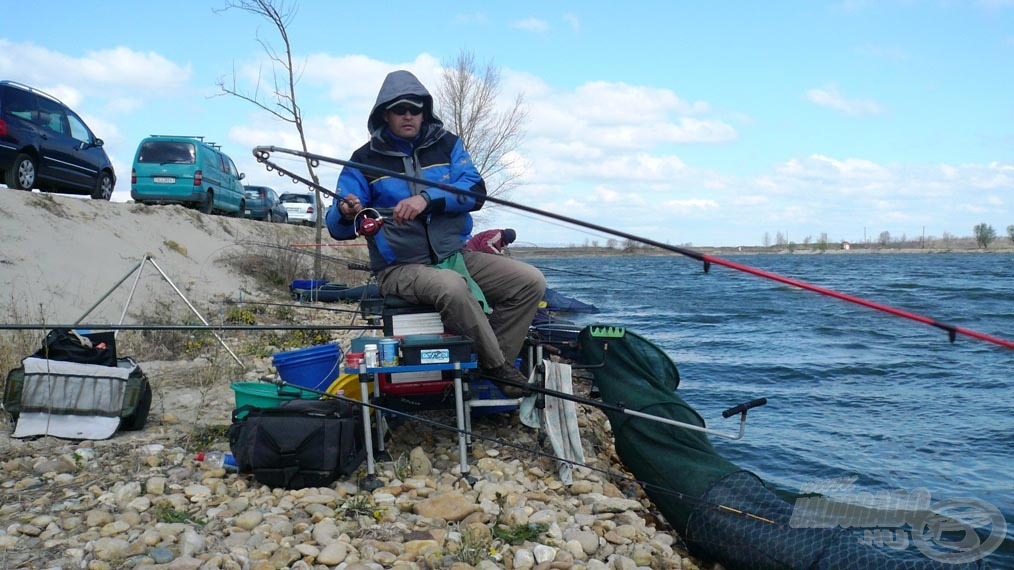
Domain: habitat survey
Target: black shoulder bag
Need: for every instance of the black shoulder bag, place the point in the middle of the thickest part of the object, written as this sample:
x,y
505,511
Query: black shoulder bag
x,y
298,444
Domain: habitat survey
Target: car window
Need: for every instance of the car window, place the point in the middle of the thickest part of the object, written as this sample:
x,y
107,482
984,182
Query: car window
x,y
78,130
232,167
166,152
20,104
254,193
52,116
297,198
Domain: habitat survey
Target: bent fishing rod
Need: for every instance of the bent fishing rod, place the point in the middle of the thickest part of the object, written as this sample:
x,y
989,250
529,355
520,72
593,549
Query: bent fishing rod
x,y
263,154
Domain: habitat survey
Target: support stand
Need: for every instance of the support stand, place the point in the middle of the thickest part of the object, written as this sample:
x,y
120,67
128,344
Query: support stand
x,y
138,269
366,375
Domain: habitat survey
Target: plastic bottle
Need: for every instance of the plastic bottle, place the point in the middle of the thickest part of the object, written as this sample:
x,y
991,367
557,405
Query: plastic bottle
x,y
370,356
217,460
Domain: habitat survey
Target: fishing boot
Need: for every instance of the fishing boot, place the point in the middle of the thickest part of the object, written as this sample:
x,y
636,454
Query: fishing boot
x,y
507,372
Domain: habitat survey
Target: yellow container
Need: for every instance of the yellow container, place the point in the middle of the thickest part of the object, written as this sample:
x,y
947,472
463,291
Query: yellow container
x,y
350,384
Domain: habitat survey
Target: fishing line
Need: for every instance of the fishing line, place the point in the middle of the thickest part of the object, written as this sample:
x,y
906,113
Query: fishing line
x,y
310,253
350,263
611,474
559,225
292,305
263,153
545,268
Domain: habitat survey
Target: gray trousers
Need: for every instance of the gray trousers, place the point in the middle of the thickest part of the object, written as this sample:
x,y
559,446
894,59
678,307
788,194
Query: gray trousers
x,y
512,288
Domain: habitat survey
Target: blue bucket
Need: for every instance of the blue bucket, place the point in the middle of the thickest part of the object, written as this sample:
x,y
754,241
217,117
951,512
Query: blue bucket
x,y
315,367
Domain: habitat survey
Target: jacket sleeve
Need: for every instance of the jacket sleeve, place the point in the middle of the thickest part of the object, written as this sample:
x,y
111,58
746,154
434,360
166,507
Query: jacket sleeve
x,y
350,181
463,175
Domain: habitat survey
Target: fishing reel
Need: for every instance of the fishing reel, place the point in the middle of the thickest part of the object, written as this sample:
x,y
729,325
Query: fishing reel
x,y
368,222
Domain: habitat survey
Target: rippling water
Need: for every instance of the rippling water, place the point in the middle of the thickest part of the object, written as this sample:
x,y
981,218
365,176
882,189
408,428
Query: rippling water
x,y
851,390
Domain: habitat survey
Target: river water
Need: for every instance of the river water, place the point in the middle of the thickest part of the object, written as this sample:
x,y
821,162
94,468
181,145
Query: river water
x,y
853,392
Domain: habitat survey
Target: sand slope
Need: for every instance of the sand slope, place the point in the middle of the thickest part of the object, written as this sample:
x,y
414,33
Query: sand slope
x,y
60,255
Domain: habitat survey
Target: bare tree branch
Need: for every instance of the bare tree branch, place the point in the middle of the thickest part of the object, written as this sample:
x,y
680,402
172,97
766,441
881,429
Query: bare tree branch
x,y
468,99
282,102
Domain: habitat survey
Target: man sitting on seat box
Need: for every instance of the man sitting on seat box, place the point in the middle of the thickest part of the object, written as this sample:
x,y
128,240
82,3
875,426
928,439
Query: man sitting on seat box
x,y
418,255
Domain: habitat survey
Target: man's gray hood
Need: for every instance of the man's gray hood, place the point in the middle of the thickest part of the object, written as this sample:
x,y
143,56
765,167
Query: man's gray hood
x,y
399,84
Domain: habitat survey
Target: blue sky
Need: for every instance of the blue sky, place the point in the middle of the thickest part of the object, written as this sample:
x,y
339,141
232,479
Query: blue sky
x,y
703,123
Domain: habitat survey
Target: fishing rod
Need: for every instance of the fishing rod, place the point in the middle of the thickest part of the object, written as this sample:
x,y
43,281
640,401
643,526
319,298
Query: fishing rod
x,y
142,327
263,153
538,452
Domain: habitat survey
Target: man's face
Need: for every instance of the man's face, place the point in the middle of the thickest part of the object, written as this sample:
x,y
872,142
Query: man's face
x,y
404,120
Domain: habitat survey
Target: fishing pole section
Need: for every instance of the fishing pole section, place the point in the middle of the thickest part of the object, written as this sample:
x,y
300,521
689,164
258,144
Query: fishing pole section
x,y
263,155
610,474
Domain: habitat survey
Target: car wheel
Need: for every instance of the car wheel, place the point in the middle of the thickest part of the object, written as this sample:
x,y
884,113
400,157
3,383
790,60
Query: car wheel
x,y
270,218
241,212
21,176
104,187
209,203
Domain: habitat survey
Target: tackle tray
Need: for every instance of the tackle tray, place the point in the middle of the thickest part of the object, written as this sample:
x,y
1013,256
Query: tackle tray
x,y
436,349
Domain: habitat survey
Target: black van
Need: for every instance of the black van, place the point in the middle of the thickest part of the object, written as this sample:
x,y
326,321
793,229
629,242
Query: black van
x,y
45,145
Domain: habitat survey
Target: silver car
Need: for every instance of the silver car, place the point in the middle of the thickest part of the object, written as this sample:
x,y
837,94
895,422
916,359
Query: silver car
x,y
301,208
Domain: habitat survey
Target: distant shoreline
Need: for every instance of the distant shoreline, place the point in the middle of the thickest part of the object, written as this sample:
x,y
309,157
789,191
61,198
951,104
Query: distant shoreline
x,y
534,252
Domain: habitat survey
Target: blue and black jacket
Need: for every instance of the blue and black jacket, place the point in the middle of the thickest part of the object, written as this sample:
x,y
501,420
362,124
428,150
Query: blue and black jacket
x,y
437,155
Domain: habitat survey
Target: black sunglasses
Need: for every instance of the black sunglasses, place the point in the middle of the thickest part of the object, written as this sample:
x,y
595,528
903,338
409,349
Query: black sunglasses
x,y
402,109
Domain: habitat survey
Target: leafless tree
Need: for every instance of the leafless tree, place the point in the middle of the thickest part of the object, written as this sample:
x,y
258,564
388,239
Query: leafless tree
x,y
277,94
885,238
467,98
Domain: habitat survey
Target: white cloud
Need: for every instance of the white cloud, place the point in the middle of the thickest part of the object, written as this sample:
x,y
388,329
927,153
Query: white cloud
x,y
532,25
123,105
688,207
607,117
572,21
829,97
96,72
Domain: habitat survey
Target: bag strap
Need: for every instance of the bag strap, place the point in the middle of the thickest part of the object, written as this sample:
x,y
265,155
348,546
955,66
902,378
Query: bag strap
x,y
289,458
242,413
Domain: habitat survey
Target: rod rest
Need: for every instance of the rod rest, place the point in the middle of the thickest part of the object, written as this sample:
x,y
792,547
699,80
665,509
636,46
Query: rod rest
x,y
742,408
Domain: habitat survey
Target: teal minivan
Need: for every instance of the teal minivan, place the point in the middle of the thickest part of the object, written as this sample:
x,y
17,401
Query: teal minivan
x,y
186,170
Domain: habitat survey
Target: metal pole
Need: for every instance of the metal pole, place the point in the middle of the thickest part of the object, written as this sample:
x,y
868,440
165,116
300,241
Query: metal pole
x,y
152,327
459,408
130,295
364,395
195,311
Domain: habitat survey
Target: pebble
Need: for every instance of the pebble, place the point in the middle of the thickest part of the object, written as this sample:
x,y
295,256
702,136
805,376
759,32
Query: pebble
x,y
139,500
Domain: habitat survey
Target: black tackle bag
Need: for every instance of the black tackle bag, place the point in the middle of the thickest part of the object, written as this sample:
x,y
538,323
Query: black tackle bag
x,y
70,346
299,443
